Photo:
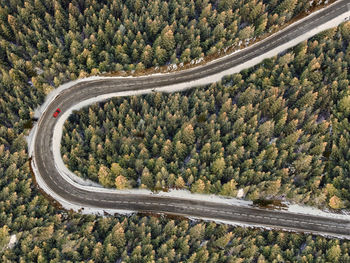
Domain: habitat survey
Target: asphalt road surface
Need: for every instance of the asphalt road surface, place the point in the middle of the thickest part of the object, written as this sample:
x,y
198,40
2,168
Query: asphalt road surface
x,y
44,159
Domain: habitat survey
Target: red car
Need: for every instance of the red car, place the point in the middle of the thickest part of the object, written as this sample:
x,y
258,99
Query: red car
x,y
57,112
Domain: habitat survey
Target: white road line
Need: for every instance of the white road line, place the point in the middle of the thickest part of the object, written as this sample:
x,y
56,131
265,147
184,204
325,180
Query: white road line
x,y
126,84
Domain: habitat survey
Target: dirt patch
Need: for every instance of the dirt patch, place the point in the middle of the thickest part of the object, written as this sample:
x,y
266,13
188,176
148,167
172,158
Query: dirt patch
x,y
270,204
28,124
163,215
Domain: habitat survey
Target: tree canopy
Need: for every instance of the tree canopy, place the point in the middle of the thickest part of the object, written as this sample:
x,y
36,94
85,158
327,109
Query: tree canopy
x,y
46,43
280,128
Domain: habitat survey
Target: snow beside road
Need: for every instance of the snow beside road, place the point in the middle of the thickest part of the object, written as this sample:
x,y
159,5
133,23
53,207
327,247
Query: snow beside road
x,y
70,206
70,176
12,241
256,60
57,135
307,210
30,139
78,182
332,23
202,197
267,228
88,185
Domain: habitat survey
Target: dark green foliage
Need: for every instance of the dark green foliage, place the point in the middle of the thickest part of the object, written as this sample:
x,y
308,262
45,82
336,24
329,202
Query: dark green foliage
x,y
268,134
45,43
67,39
144,239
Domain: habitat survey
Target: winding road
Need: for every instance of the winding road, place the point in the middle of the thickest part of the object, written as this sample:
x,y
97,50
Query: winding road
x,y
91,198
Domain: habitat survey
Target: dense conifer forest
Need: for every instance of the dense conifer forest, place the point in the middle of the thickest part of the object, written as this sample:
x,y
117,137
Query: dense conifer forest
x,y
150,239
280,128
67,39
46,43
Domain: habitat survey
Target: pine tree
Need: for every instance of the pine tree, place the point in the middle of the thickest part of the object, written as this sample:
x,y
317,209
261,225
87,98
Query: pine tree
x,y
121,182
223,241
198,186
333,253
4,236
118,237
218,167
229,189
146,178
160,55
180,149
166,151
180,183
186,55
97,253
286,5
147,56
105,176
168,40
188,136
335,202
246,33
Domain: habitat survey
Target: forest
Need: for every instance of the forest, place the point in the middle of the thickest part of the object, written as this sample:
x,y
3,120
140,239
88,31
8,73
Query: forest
x,y
139,239
65,40
46,43
280,128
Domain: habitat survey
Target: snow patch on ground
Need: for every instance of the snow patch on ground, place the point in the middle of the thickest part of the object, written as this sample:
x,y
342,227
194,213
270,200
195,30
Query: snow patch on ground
x,y
97,211
172,67
31,138
240,193
332,23
58,129
217,77
94,187
88,185
202,197
12,241
185,194
308,210
231,223
70,206
199,60
39,71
